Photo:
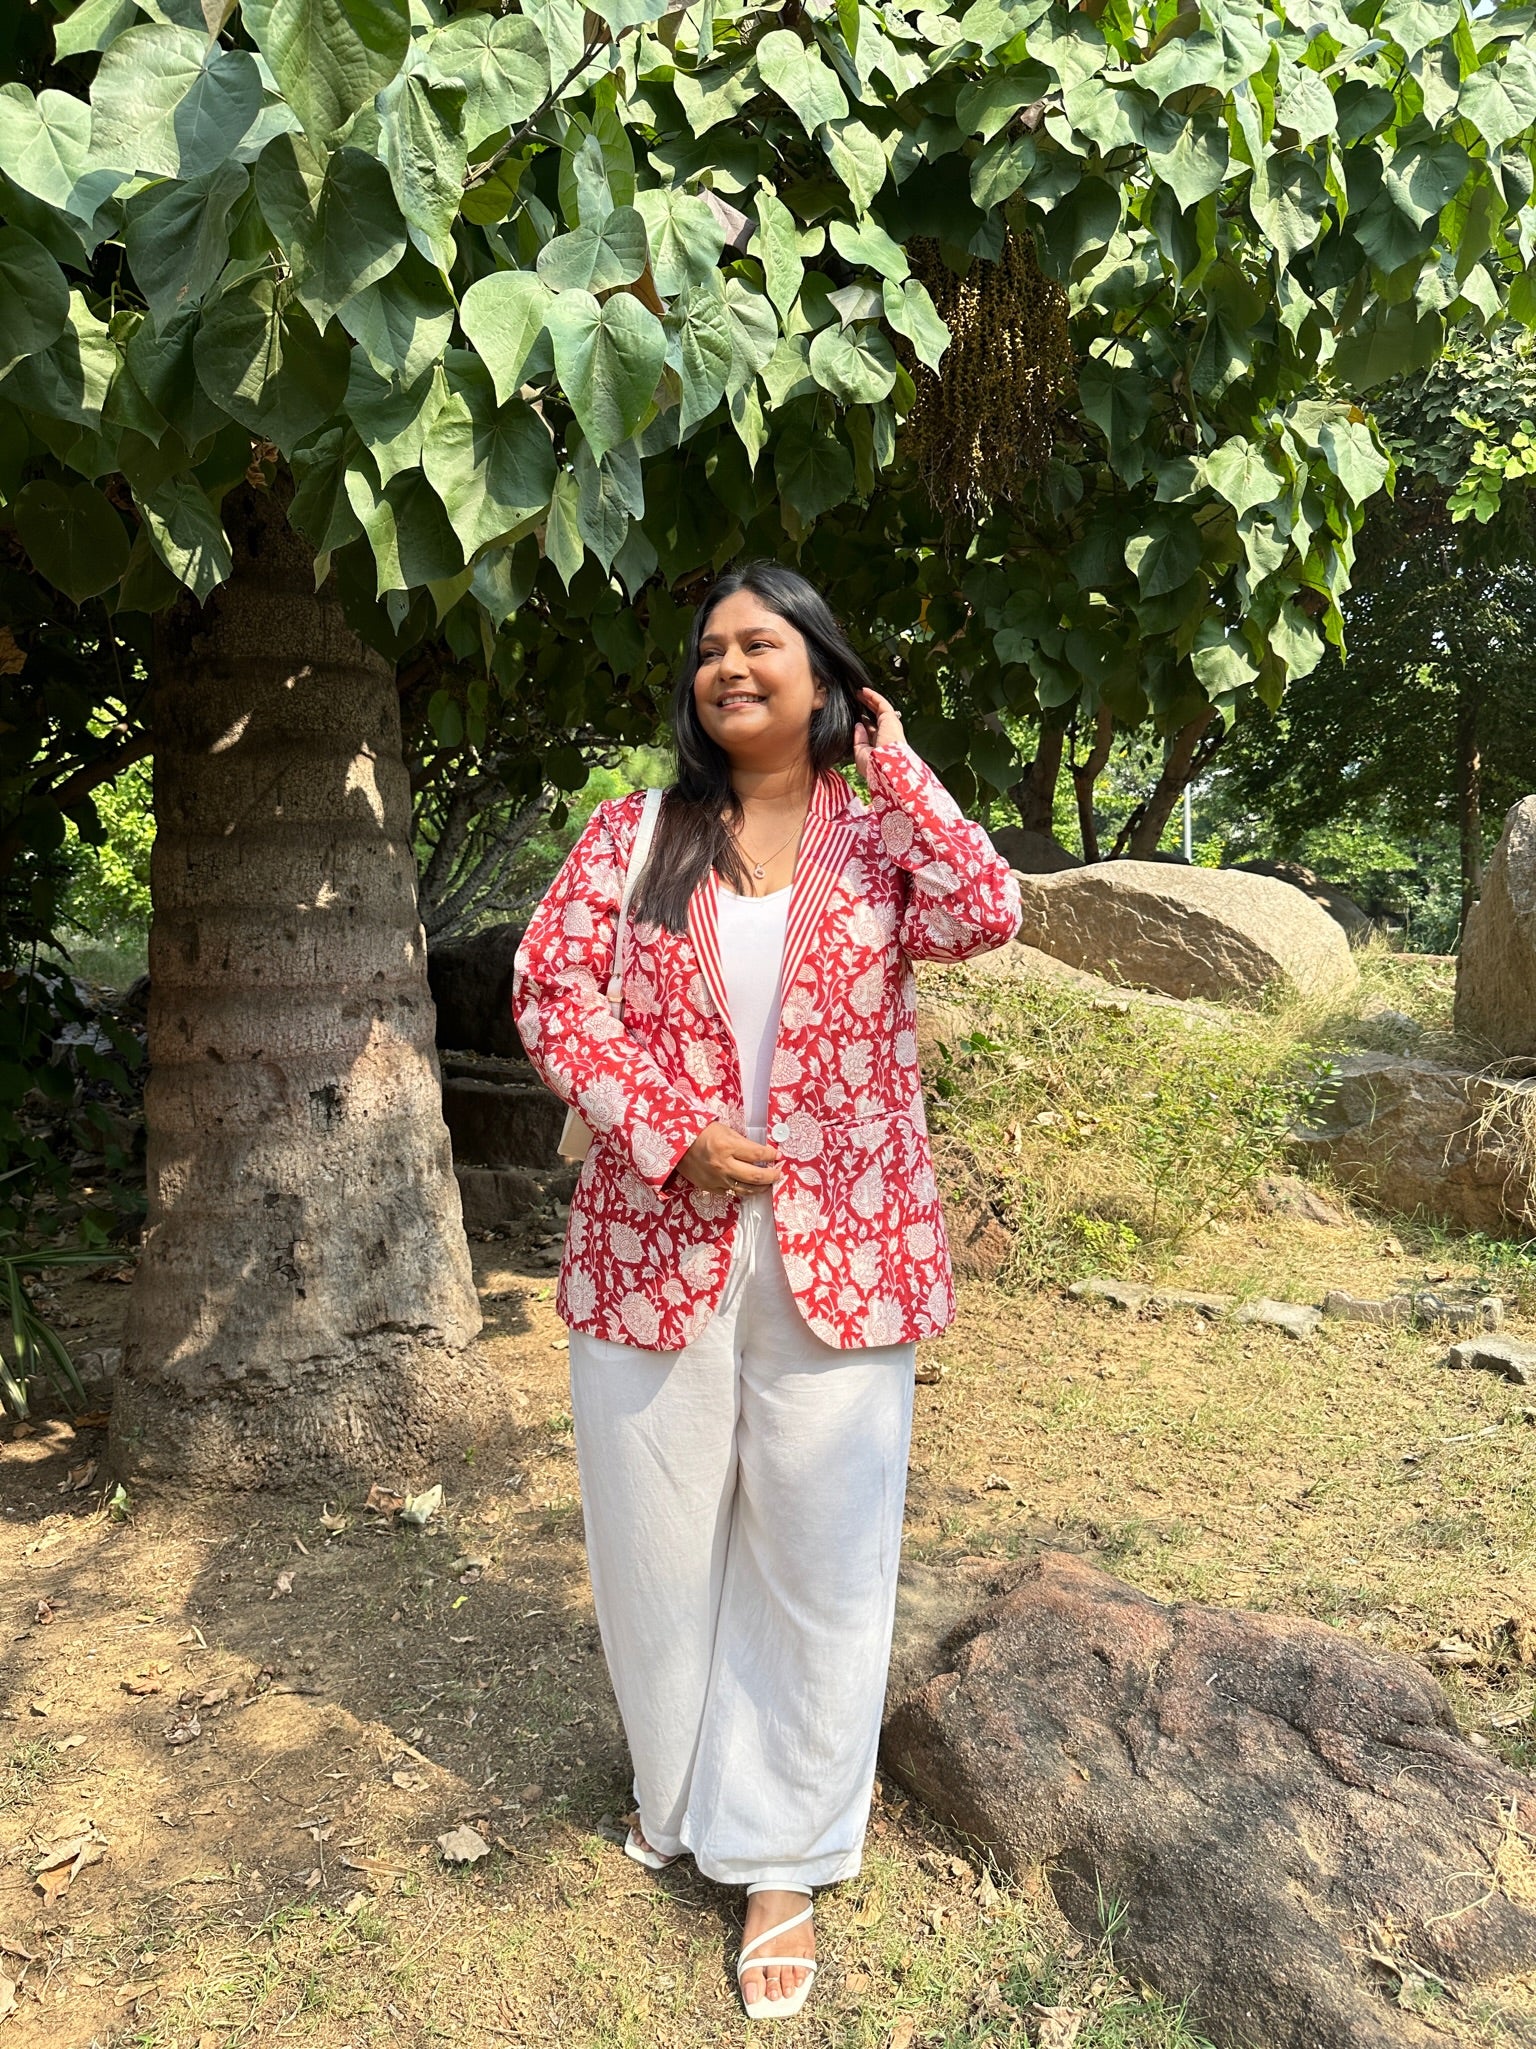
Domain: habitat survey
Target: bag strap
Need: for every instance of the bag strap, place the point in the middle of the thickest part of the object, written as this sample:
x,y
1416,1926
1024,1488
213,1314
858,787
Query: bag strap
x,y
638,856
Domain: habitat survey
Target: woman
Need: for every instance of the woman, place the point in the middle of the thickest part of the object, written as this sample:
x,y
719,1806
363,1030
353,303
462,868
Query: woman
x,y
755,1243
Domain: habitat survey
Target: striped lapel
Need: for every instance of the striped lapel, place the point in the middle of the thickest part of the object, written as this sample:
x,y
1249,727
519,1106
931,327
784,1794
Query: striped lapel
x,y
829,833
704,931
824,846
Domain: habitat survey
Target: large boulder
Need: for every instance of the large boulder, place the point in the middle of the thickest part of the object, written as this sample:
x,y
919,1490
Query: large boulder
x,y
1496,975
1419,1135
1204,932
471,982
1285,1825
1032,853
1341,908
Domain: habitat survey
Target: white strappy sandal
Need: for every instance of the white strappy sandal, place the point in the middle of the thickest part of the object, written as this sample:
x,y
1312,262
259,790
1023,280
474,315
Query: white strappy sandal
x,y
637,1847
766,2009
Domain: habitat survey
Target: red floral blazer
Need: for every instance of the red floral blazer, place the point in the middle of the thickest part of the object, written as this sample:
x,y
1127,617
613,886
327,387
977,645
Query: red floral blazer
x,y
905,877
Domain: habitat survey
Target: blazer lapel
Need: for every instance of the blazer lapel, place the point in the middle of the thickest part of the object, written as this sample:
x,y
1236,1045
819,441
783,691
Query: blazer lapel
x,y
829,834
824,847
704,931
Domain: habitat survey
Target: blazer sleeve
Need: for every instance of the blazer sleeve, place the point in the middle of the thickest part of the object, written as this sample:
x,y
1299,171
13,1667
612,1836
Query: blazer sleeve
x,y
560,1005
962,897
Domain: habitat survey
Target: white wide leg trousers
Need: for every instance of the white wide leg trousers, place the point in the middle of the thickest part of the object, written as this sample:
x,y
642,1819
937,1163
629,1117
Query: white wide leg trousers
x,y
743,1506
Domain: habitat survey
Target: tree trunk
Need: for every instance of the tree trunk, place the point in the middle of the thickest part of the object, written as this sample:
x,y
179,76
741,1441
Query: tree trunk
x,y
1185,758
1035,791
304,1297
1085,774
1469,794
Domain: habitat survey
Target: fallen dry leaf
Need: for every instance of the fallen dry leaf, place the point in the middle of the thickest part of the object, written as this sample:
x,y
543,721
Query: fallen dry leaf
x,y
929,1373
185,1729
463,1845
128,1995
40,1706
283,1584
7,1997
408,1782
94,1419
867,1912
1059,2026
78,1478
902,2033
142,1682
383,1500
62,1862
377,1870
45,1611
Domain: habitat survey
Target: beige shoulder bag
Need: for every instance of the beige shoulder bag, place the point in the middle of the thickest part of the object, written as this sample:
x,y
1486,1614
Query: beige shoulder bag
x,y
576,1135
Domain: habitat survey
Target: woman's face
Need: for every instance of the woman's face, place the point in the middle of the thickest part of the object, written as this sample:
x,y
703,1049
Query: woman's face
x,y
753,688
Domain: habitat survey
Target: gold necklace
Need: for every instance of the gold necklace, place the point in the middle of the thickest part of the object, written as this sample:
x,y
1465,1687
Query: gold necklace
x,y
760,867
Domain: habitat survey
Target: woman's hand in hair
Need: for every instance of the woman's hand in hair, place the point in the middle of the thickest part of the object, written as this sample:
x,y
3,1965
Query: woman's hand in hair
x,y
887,730
724,1162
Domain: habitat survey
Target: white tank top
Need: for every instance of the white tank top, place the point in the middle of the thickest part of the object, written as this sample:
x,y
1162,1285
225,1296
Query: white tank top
x,y
752,930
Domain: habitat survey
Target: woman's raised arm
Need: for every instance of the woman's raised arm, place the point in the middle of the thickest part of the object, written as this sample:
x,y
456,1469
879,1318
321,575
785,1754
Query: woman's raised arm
x,y
961,898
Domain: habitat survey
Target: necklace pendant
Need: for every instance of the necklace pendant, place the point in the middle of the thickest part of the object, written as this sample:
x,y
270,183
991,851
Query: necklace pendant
x,y
758,871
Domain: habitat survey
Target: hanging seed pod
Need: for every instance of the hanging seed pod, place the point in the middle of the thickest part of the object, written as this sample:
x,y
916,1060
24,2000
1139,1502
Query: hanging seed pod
x,y
984,422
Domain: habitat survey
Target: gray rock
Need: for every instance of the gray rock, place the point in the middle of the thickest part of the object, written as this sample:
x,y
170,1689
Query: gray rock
x,y
1119,1294
1296,1319
1343,909
1388,1309
1417,1135
1032,853
502,1124
1496,972
1451,1313
494,1197
1189,932
1509,1356
1186,1298
1269,1799
471,982
1287,1195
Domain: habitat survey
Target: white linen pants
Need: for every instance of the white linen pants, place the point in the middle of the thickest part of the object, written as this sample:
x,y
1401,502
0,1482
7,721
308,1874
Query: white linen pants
x,y
743,1507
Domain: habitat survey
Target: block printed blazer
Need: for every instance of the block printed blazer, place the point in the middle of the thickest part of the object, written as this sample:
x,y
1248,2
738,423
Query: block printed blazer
x,y
905,877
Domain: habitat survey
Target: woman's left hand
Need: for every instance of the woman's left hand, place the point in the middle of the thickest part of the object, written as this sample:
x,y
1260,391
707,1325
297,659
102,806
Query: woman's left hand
x,y
887,729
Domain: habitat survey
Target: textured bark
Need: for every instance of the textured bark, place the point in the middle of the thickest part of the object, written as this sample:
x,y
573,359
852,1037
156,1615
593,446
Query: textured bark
x,y
305,1292
1035,791
1188,753
1085,774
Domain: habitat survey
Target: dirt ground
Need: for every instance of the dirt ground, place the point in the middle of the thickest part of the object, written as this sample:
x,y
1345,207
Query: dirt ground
x,y
256,1718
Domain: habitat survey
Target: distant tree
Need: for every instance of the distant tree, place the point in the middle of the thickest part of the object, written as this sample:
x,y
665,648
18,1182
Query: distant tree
x,y
1431,715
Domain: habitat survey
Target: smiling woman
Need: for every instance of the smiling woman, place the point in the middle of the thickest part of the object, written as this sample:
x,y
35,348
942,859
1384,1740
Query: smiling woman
x,y
756,1241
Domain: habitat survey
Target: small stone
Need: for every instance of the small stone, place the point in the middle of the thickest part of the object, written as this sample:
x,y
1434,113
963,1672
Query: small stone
x,y
1119,1294
1389,1309
1296,1319
1516,1361
1184,1298
1487,1313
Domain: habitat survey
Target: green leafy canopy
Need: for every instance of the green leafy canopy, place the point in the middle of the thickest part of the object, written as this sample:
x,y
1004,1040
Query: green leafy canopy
x,y
632,291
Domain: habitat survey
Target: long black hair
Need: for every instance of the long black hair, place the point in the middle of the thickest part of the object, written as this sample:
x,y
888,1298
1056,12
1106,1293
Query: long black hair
x,y
693,833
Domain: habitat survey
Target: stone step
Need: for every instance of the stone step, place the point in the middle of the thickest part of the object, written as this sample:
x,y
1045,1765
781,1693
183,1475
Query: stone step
x,y
496,1197
501,1123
